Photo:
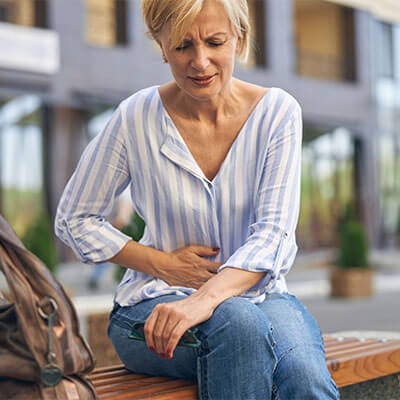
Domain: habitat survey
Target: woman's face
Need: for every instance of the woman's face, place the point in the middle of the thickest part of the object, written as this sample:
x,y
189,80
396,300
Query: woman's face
x,y
203,63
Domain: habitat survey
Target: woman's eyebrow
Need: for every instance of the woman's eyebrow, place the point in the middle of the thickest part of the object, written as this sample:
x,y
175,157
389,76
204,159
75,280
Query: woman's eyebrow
x,y
217,33
208,37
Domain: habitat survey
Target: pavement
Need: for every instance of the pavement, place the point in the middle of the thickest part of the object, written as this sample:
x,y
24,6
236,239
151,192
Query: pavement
x,y
376,316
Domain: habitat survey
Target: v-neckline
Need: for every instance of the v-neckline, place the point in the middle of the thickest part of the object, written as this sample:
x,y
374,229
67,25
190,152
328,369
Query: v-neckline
x,y
185,146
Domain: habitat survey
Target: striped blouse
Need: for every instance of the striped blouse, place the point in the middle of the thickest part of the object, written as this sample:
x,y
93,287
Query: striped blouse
x,y
249,210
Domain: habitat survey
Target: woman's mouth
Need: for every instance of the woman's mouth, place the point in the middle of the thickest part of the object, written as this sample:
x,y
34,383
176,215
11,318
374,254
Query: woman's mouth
x,y
203,81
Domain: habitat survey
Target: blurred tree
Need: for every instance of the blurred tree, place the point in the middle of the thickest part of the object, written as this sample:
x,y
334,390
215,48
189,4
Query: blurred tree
x,y
39,239
135,230
398,227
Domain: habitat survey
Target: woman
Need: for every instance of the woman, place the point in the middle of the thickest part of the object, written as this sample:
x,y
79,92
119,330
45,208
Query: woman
x,y
214,164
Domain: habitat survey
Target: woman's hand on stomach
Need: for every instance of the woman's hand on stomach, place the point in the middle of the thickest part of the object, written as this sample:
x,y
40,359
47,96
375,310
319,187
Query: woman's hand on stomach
x,y
187,266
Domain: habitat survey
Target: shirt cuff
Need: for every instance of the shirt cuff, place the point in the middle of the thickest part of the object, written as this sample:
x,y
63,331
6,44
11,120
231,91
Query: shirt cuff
x,y
97,245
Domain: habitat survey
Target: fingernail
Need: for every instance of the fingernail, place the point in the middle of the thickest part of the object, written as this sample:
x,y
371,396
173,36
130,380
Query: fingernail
x,y
152,349
215,248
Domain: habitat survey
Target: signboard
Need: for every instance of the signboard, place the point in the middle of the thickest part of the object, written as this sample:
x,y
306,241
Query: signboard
x,y
29,49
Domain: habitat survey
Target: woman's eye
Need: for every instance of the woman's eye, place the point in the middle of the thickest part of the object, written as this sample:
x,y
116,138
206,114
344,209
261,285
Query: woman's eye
x,y
215,44
183,47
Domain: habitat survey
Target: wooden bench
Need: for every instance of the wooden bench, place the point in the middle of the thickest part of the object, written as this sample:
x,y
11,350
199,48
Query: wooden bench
x,y
350,361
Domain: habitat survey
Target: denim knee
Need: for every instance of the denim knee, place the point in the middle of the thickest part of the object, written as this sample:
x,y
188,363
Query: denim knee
x,y
243,321
236,357
301,373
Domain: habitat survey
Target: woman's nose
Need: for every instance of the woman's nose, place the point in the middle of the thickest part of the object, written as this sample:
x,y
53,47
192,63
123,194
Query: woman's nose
x,y
200,59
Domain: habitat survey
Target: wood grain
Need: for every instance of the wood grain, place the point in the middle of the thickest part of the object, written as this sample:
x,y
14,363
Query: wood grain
x,y
349,360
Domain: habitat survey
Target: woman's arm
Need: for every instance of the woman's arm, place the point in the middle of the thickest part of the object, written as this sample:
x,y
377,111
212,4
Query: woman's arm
x,y
103,173
169,321
88,198
271,246
228,283
183,267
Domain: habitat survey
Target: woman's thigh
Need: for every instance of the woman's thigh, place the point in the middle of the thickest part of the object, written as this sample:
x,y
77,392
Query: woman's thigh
x,y
301,370
291,323
135,354
235,324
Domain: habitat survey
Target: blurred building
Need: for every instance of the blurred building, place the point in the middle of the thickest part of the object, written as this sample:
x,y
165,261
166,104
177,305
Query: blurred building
x,y
64,65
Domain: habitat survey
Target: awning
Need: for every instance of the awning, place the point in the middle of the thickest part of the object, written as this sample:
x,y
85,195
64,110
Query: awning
x,y
385,10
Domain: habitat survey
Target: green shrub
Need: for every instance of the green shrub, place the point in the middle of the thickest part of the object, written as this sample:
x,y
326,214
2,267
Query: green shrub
x,y
398,224
38,239
353,246
347,216
135,230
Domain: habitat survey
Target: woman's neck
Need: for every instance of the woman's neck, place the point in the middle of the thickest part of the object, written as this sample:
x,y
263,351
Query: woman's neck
x,y
225,105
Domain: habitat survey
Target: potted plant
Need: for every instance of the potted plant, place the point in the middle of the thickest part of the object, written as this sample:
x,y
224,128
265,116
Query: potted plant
x,y
352,276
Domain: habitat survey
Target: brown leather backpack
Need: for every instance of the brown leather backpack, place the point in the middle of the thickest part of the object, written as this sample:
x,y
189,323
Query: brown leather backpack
x,y
42,353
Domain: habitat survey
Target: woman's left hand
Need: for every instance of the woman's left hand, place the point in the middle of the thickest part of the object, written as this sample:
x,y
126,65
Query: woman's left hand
x,y
168,322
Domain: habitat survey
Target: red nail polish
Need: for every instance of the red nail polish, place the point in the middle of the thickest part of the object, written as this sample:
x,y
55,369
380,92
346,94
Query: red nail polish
x,y
215,248
152,349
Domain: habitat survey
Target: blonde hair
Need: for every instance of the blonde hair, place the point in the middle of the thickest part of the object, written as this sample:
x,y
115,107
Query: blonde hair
x,y
180,15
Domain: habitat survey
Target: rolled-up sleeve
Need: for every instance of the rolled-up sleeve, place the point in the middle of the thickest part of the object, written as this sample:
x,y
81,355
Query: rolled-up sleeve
x,y
101,175
271,237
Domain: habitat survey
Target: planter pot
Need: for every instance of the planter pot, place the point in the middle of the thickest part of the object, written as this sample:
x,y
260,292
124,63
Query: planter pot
x,y
352,282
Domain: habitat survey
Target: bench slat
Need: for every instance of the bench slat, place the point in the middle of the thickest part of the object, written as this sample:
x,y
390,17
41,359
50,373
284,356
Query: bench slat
x,y
114,374
358,349
376,362
172,390
138,382
331,348
349,360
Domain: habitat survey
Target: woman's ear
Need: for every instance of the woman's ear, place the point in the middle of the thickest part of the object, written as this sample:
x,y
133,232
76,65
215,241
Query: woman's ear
x,y
238,45
158,41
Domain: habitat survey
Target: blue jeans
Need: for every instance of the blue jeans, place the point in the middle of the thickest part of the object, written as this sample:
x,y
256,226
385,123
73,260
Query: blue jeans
x,y
271,350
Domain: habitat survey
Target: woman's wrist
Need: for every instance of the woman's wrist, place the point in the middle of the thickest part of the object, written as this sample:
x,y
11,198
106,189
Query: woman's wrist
x,y
209,295
143,258
208,299
160,262
230,282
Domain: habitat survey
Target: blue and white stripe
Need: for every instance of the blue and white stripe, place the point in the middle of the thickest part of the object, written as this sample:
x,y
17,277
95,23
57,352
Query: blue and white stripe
x,y
249,210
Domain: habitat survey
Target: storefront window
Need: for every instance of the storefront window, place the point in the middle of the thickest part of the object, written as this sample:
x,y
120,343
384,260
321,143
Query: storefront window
x,y
327,185
21,178
387,96
389,187
325,40
31,13
106,22
257,56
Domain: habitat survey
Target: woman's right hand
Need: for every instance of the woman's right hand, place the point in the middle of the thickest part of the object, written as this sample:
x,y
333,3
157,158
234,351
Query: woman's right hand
x,y
187,266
